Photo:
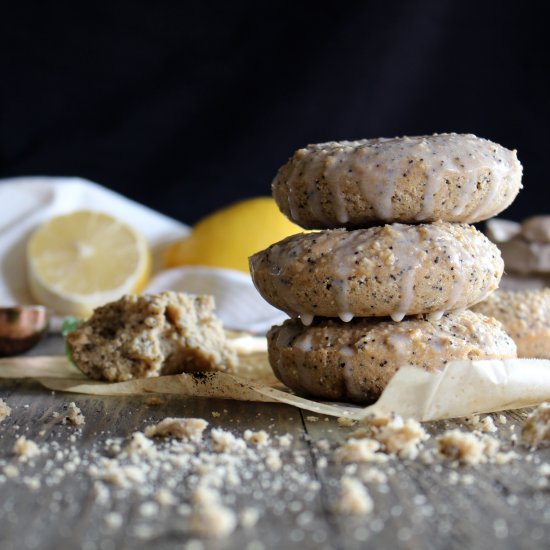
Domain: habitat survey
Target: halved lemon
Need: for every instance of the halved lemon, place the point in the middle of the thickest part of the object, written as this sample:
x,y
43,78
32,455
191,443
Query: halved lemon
x,y
79,261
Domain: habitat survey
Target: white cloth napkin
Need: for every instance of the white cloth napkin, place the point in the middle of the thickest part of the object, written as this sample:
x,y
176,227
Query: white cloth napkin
x,y
27,202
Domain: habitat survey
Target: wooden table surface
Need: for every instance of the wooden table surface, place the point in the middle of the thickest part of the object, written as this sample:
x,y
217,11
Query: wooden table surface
x,y
421,506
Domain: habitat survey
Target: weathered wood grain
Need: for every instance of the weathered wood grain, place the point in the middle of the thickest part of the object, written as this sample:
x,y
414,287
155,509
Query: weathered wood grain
x,y
421,507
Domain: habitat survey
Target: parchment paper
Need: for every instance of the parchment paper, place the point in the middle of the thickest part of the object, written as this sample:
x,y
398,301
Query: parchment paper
x,y
461,389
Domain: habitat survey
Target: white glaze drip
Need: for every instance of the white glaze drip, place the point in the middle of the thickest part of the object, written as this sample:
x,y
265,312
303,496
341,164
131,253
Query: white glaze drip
x,y
462,262
334,164
306,318
435,315
346,317
408,259
483,209
434,183
343,270
397,316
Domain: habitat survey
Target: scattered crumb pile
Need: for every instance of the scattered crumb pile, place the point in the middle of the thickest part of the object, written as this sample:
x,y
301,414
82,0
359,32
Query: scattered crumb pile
x,y
354,498
25,449
151,335
382,439
196,480
182,428
5,411
468,448
372,451
536,429
75,416
209,480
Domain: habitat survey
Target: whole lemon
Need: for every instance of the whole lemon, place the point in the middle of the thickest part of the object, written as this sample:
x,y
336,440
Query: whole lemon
x,y
229,236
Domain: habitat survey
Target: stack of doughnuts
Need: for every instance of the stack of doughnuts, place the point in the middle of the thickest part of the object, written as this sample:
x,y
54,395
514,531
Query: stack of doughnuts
x,y
388,279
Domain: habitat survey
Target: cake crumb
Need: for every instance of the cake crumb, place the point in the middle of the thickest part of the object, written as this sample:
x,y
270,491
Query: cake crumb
x,y
502,419
259,438
354,499
312,418
75,416
164,497
121,476
504,458
373,475
359,450
5,411
33,483
139,445
113,520
396,436
224,441
273,460
322,462
155,400
285,440
181,428
401,437
536,428
210,517
467,479
323,445
346,421
100,492
10,471
148,509
249,517
485,424
215,414
25,448
466,448
377,420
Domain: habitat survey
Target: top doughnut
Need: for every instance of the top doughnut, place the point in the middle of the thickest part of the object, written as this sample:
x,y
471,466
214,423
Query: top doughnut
x,y
448,177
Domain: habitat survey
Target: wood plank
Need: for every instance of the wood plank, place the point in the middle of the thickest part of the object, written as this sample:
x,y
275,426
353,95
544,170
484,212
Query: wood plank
x,y
66,514
427,507
421,506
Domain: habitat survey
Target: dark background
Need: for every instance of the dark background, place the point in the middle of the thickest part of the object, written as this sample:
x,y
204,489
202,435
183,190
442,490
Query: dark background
x,y
186,106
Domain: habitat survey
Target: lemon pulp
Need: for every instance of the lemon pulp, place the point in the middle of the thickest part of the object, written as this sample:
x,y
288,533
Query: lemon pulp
x,y
81,260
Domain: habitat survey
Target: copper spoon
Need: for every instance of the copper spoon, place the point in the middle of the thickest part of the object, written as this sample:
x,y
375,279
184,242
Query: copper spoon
x,y
21,328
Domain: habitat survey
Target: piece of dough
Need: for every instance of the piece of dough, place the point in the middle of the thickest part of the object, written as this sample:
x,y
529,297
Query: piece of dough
x,y
151,335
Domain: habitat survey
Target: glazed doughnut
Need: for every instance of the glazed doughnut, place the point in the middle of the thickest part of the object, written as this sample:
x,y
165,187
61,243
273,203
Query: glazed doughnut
x,y
355,361
450,177
394,270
